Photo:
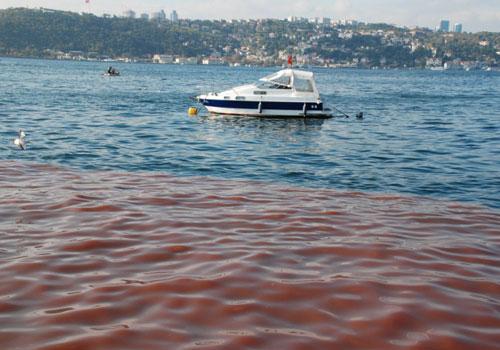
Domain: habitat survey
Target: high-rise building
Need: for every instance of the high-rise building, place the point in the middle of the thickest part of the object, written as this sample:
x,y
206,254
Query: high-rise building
x,y
326,21
458,28
174,17
129,14
444,26
159,16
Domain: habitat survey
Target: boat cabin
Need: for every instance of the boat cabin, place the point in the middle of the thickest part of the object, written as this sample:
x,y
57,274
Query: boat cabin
x,y
295,81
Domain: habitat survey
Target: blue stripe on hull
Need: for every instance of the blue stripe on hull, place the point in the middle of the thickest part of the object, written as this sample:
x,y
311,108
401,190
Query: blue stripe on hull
x,y
288,106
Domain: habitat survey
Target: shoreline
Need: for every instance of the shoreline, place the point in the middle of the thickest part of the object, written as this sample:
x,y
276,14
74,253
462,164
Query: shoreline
x,y
117,61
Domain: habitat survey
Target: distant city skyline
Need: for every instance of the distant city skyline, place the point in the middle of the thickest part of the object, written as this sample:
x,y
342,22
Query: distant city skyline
x,y
482,15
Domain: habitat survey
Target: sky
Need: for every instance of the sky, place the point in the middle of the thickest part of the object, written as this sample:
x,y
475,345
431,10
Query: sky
x,y
475,15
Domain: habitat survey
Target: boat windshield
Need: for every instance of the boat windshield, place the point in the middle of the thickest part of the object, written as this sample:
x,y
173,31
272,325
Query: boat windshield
x,y
272,85
276,81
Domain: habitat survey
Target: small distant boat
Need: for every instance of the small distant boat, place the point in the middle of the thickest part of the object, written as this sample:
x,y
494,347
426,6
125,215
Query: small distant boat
x,y
111,72
116,74
287,93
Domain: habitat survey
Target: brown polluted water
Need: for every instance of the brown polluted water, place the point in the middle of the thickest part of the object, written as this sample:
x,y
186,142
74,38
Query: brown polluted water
x,y
109,260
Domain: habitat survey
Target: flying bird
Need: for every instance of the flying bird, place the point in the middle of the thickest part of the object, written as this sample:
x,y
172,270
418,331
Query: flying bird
x,y
20,142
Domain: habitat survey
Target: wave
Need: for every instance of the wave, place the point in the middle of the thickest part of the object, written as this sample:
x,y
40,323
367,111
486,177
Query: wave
x,y
116,260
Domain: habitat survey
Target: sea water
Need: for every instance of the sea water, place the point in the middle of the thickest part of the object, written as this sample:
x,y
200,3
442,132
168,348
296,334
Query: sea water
x,y
424,132
127,224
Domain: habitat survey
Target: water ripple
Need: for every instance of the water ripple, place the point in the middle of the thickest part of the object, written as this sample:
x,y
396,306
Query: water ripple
x,y
117,260
425,133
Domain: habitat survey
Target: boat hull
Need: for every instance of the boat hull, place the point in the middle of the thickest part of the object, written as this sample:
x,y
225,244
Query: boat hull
x,y
265,108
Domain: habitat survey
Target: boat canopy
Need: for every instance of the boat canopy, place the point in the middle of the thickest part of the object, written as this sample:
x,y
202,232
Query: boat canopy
x,y
300,81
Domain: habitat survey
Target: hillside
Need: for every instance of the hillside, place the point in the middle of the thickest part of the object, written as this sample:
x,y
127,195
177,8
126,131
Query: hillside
x,y
41,33
32,31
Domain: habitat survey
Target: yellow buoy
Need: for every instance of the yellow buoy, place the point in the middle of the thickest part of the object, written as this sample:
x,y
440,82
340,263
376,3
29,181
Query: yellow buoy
x,y
192,111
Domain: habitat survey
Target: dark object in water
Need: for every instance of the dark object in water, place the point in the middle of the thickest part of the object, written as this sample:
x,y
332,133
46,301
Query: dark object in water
x,y
112,72
359,115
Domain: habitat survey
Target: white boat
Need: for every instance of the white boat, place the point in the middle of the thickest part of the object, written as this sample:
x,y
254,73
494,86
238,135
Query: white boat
x,y
287,93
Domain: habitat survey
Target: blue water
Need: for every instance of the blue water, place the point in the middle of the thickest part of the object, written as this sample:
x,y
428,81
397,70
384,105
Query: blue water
x,y
427,133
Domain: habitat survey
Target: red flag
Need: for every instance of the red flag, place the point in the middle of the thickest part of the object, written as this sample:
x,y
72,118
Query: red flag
x,y
290,60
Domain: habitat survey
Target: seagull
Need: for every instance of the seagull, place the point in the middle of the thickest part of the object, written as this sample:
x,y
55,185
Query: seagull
x,y
19,142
